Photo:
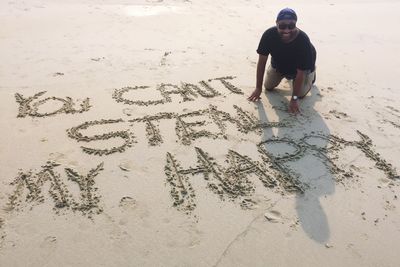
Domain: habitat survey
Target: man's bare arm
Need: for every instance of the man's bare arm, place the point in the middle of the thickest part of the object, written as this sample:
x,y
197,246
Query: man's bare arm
x,y
262,61
294,106
298,83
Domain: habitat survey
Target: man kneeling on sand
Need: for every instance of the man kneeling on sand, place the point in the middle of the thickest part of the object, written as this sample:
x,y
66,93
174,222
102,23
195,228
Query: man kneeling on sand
x,y
292,57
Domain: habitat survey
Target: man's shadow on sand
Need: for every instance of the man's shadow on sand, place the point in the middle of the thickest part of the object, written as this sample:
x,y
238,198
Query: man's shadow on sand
x,y
311,169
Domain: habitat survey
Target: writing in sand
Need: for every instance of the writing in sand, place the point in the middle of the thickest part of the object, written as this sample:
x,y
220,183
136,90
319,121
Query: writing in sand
x,y
231,179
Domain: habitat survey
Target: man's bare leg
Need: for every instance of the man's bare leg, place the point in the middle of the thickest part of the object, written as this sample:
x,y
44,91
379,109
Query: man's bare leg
x,y
272,79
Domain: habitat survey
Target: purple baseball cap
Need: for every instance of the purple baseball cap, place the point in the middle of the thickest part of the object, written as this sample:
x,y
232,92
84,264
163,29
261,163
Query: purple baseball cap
x,y
286,13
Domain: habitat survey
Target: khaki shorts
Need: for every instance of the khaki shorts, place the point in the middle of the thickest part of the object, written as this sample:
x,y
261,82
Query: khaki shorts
x,y
273,79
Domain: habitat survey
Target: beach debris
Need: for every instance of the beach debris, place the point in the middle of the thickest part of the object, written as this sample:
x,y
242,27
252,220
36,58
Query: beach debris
x,y
124,168
273,216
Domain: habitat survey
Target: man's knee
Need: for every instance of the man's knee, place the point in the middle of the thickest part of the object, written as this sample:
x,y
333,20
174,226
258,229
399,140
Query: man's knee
x,y
273,78
269,88
272,82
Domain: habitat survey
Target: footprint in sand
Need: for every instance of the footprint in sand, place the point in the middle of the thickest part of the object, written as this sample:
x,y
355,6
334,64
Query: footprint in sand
x,y
133,210
127,203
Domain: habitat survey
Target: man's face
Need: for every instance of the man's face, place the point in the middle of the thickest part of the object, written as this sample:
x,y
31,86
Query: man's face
x,y
286,29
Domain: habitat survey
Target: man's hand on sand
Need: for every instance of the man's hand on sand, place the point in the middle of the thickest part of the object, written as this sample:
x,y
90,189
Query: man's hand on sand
x,y
255,96
294,107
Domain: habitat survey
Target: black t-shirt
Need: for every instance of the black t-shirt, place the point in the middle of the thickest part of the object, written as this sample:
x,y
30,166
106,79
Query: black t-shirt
x,y
288,57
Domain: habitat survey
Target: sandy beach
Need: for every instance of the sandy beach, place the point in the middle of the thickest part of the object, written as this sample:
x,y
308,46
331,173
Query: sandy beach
x,y
127,138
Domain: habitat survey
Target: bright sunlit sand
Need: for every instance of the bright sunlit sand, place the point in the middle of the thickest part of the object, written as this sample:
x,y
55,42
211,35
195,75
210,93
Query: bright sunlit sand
x,y
127,138
151,10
